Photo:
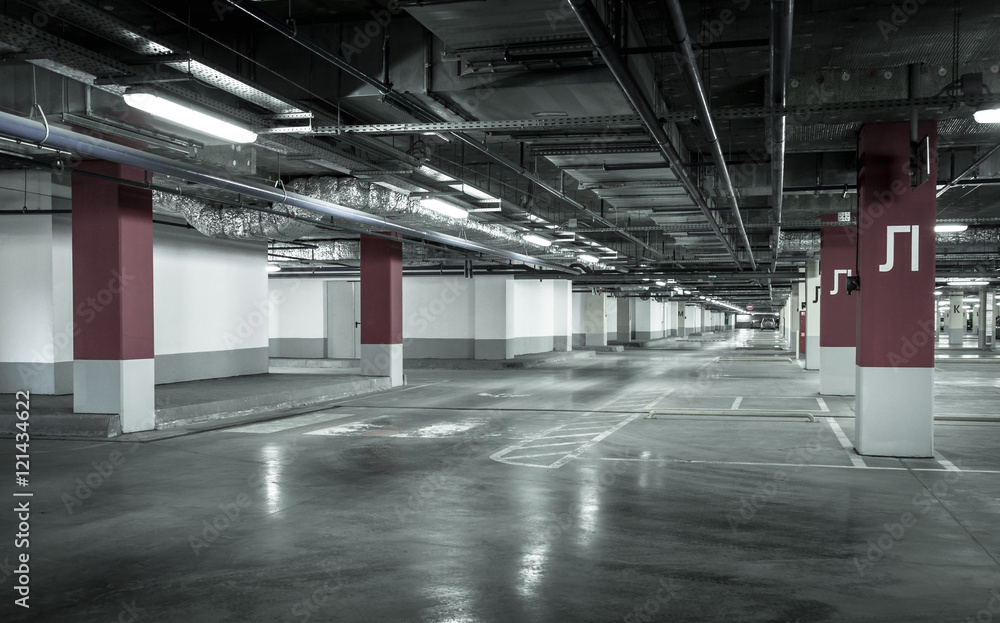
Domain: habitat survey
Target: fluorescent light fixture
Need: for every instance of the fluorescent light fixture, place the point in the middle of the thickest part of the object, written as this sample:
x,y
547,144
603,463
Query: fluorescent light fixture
x,y
950,229
987,115
590,259
661,283
273,268
434,174
535,239
188,117
687,291
472,191
443,208
971,299
967,282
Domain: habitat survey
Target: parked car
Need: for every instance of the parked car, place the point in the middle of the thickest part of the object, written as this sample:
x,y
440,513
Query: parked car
x,y
768,324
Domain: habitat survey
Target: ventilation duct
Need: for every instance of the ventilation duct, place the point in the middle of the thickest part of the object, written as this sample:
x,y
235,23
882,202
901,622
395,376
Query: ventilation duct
x,y
348,253
797,241
238,223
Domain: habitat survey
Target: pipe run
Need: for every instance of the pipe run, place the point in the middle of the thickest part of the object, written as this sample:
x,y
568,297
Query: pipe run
x,y
53,136
781,52
418,111
601,39
687,62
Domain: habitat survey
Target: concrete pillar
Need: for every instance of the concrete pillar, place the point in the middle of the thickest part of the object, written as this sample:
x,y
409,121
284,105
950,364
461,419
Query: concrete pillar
x,y
681,319
595,320
839,320
113,370
624,318
562,326
382,308
987,302
812,314
895,347
611,315
956,321
800,319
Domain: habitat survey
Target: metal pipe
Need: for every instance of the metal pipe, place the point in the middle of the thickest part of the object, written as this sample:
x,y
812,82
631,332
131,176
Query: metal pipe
x,y
598,34
970,169
412,107
52,136
781,52
678,34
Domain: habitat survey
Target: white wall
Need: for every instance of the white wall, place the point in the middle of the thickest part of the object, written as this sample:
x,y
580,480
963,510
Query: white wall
x,y
440,307
211,306
298,308
533,309
692,318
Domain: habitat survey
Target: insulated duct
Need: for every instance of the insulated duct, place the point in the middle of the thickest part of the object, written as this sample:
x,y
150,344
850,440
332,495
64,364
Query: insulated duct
x,y
348,253
798,241
781,53
237,223
42,133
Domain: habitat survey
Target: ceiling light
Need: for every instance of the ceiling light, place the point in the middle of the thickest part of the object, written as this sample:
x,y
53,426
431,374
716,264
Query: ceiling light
x,y
273,268
687,291
950,229
590,259
661,283
535,239
550,113
966,282
988,113
188,117
443,208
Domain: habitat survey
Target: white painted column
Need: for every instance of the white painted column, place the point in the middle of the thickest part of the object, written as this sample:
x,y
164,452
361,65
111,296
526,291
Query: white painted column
x,y
812,315
624,318
611,312
595,320
956,320
562,295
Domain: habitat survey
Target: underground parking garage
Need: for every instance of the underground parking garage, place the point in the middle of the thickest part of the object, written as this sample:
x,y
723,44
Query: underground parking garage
x,y
460,311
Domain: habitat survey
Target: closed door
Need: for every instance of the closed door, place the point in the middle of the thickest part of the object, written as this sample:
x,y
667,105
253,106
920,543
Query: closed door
x,y
343,319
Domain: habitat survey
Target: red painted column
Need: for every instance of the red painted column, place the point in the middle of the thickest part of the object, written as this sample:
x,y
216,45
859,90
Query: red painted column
x,y
382,308
838,324
895,333
113,295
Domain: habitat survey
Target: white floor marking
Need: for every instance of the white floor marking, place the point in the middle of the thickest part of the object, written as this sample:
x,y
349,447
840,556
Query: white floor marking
x,y
948,465
614,424
736,403
856,460
585,428
277,426
822,405
797,465
547,445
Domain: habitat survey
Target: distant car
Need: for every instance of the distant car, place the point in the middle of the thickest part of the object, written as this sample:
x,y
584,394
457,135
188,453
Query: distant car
x,y
768,324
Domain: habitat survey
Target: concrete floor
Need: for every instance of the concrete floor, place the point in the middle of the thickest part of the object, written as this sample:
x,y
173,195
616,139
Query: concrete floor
x,y
529,495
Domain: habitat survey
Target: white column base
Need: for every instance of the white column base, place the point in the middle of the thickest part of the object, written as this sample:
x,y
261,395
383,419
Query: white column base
x,y
383,360
956,336
837,374
812,352
122,387
895,412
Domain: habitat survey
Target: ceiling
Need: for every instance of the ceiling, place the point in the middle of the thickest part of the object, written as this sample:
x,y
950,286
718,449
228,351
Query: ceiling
x,y
511,99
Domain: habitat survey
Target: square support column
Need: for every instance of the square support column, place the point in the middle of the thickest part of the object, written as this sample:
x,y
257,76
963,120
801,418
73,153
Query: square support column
x,y
382,308
624,318
113,296
813,314
562,304
839,320
956,320
595,320
895,337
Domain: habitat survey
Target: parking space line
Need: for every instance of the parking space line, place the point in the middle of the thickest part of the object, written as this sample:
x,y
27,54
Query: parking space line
x,y
948,465
856,460
796,465
822,405
530,456
575,453
546,445
736,403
